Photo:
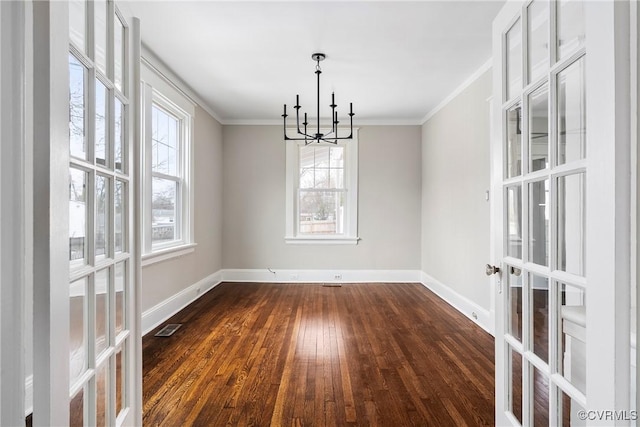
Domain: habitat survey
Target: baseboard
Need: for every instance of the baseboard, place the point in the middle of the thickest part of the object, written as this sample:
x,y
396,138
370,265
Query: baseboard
x,y
159,313
320,276
473,311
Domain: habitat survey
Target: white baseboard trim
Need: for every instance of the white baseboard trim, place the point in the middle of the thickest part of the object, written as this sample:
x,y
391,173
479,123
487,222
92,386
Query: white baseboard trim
x,y
157,314
473,311
320,276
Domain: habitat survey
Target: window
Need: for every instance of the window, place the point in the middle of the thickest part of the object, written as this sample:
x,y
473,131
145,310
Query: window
x,y
168,201
322,185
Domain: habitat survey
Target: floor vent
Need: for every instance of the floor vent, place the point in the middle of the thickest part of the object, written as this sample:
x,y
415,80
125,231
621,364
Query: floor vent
x,y
168,330
332,285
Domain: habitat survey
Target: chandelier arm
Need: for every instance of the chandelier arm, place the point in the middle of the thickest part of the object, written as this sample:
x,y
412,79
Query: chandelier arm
x,y
297,107
302,139
284,116
306,134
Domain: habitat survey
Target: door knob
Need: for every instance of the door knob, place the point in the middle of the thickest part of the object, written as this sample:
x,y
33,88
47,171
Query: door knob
x,y
491,269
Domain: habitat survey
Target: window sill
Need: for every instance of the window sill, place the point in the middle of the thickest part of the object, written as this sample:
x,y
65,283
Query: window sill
x,y
324,240
168,253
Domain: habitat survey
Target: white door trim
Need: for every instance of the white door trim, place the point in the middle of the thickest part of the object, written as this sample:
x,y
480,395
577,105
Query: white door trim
x,y
13,142
608,142
50,214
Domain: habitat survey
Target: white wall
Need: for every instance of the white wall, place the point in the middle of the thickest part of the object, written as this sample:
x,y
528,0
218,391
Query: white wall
x,y
254,203
455,176
163,280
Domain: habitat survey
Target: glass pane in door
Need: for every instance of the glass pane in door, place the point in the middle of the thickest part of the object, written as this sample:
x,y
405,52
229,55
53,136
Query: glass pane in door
x,y
514,59
100,34
572,335
514,221
118,52
78,23
102,310
77,108
77,408
540,401
120,284
539,222
101,123
569,411
537,39
515,383
120,390
102,216
572,116
102,394
78,217
120,220
119,150
78,329
539,129
571,223
571,26
515,302
539,297
514,142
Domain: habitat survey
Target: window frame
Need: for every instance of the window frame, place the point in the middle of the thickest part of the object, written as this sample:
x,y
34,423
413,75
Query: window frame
x,y
159,91
292,185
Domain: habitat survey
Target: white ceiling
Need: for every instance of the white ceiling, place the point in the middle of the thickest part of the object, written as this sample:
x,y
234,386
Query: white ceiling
x,y
396,61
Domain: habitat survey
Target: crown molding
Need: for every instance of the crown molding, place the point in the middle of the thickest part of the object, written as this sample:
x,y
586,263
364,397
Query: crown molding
x,y
374,122
153,61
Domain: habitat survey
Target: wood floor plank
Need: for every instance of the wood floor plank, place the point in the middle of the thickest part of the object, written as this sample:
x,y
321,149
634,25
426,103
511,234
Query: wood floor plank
x,y
258,354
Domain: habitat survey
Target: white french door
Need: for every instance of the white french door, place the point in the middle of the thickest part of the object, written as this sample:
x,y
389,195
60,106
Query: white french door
x,y
560,179
88,370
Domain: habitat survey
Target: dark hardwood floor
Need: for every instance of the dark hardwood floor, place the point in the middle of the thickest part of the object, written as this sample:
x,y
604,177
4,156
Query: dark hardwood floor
x,y
310,355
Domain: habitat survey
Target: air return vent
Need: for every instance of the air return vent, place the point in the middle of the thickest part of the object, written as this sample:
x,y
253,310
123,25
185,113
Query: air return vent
x,y
168,330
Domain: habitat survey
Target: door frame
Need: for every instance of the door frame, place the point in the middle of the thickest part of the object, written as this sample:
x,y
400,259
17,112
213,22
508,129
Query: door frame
x,y
14,146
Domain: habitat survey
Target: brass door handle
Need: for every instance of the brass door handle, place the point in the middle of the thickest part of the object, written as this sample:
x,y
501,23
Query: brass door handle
x,y
491,269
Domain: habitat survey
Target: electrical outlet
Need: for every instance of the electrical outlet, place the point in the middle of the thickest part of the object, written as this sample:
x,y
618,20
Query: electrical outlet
x,y
337,276
474,315
198,291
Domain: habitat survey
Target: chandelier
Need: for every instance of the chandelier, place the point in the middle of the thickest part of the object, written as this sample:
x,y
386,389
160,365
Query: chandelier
x,y
332,135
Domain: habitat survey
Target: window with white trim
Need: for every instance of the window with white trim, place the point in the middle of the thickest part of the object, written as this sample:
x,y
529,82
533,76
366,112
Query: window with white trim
x,y
322,192
168,199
